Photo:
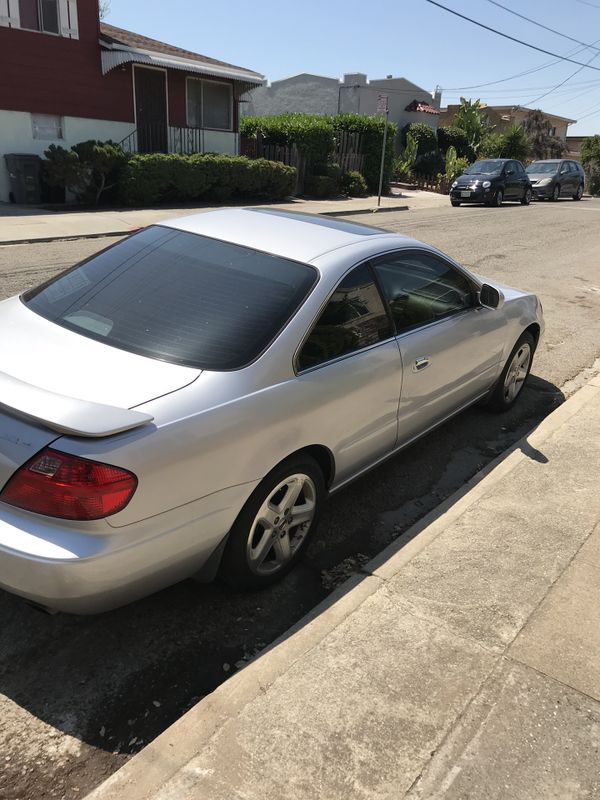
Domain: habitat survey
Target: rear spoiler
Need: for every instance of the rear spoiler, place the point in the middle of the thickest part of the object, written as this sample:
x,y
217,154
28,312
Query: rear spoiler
x,y
66,414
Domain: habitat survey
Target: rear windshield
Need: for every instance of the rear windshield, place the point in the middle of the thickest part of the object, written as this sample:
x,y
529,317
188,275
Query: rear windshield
x,y
178,297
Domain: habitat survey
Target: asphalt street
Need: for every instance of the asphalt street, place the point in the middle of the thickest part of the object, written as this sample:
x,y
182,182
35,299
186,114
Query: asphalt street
x,y
79,694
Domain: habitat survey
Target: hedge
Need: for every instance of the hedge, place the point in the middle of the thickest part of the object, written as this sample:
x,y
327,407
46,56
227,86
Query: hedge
x,y
155,178
454,137
314,136
423,134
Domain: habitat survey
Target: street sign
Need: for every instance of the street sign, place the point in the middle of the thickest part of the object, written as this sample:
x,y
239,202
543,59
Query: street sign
x,y
382,104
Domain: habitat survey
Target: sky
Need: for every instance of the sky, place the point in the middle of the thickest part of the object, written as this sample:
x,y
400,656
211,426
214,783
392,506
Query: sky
x,y
404,38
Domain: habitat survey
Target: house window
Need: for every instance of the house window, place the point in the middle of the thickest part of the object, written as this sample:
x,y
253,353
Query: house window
x,y
39,15
209,104
47,127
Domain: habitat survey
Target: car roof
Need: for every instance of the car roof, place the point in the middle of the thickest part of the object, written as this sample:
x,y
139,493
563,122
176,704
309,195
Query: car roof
x,y
290,234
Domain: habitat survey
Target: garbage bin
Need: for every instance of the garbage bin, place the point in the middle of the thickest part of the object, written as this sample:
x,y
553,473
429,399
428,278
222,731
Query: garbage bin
x,y
24,173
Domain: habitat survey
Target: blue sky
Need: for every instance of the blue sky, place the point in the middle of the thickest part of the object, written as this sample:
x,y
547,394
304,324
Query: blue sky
x,y
404,38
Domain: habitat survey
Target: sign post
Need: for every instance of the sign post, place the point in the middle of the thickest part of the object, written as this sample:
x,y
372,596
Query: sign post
x,y
382,108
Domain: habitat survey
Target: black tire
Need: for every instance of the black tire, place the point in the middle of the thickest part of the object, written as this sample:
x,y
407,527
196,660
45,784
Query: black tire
x,y
498,399
526,199
236,569
579,193
555,193
498,198
455,203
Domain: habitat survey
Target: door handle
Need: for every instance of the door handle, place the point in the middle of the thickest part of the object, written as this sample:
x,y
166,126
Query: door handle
x,y
420,363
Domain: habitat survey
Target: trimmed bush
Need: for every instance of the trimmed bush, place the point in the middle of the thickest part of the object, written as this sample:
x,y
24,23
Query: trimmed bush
x,y
429,164
321,186
158,178
88,169
423,135
454,137
353,184
311,133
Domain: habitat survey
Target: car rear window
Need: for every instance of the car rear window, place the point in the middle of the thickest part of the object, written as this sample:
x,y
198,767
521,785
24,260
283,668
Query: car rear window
x,y
178,297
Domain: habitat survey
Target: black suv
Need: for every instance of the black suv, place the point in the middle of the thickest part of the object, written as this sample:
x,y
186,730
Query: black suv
x,y
491,181
556,178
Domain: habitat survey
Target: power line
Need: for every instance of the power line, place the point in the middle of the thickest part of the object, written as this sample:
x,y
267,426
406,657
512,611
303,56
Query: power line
x,y
562,83
511,38
541,25
587,3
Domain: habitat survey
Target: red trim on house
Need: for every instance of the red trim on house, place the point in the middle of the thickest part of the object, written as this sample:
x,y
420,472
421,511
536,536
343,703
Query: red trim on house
x,y
426,108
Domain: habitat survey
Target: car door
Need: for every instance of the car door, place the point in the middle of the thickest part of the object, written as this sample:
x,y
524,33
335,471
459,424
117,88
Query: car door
x,y
349,370
512,183
451,346
564,178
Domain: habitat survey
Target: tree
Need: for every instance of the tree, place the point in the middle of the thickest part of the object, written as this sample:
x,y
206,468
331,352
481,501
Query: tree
x,y
104,8
590,158
514,143
539,131
471,119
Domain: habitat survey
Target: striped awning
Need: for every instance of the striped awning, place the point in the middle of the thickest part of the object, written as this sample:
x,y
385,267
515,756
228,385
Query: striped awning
x,y
115,58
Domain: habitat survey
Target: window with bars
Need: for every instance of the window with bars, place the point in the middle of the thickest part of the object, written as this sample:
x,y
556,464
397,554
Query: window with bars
x,y
209,104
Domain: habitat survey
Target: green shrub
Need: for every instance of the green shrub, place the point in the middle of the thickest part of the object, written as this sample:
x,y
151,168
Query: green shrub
x,y
454,137
371,133
156,178
354,184
424,136
320,186
88,169
490,146
429,164
311,133
406,161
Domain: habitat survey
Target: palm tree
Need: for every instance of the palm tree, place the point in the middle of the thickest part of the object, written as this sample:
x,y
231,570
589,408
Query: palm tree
x,y
539,130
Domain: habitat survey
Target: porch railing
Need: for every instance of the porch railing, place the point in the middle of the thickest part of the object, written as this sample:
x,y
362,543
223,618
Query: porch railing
x,y
156,137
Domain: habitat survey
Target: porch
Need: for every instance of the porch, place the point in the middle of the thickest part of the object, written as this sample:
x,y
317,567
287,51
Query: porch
x,y
157,137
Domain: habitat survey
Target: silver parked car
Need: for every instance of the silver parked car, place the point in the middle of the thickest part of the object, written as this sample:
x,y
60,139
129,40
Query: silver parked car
x,y
183,402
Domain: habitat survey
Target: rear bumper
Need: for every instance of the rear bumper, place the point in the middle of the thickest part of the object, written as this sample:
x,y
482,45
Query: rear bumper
x,y
55,565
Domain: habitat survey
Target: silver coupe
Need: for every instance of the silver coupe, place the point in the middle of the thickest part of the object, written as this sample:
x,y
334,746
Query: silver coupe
x,y
183,402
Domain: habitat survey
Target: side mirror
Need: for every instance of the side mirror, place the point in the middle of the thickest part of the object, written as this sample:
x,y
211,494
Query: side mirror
x,y
490,297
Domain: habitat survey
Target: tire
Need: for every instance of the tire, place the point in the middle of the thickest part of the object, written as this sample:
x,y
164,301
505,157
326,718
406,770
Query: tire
x,y
455,203
498,198
555,193
258,554
526,199
579,193
508,386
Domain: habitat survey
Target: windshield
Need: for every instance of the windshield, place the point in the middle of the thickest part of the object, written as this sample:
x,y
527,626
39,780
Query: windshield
x,y
486,167
539,167
178,297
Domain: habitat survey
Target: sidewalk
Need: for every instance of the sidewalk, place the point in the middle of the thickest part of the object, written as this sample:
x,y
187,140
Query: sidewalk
x,y
464,664
19,224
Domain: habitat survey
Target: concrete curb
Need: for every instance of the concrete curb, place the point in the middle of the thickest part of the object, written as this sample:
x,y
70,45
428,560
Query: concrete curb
x,y
362,211
161,759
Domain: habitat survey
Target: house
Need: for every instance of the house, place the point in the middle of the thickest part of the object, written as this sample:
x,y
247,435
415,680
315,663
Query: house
x,y
503,117
574,145
67,77
316,94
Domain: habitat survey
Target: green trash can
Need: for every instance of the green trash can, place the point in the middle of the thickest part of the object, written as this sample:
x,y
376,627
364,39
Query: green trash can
x,y
24,172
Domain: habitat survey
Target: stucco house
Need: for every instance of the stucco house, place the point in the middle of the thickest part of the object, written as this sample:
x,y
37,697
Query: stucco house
x,y
316,94
502,117
67,77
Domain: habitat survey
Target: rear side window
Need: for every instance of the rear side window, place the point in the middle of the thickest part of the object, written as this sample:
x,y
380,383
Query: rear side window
x,y
178,297
354,317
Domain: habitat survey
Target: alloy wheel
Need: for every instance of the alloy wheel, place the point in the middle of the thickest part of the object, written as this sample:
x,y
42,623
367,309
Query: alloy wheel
x,y
517,372
281,524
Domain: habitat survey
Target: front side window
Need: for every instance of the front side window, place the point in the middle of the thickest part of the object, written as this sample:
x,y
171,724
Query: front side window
x,y
354,318
209,104
422,288
179,297
39,15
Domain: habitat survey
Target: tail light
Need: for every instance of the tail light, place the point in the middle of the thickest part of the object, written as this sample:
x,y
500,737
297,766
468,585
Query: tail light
x,y
61,485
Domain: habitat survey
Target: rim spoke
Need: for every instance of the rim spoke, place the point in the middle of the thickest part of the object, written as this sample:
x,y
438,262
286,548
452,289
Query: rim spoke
x,y
282,549
303,513
262,549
